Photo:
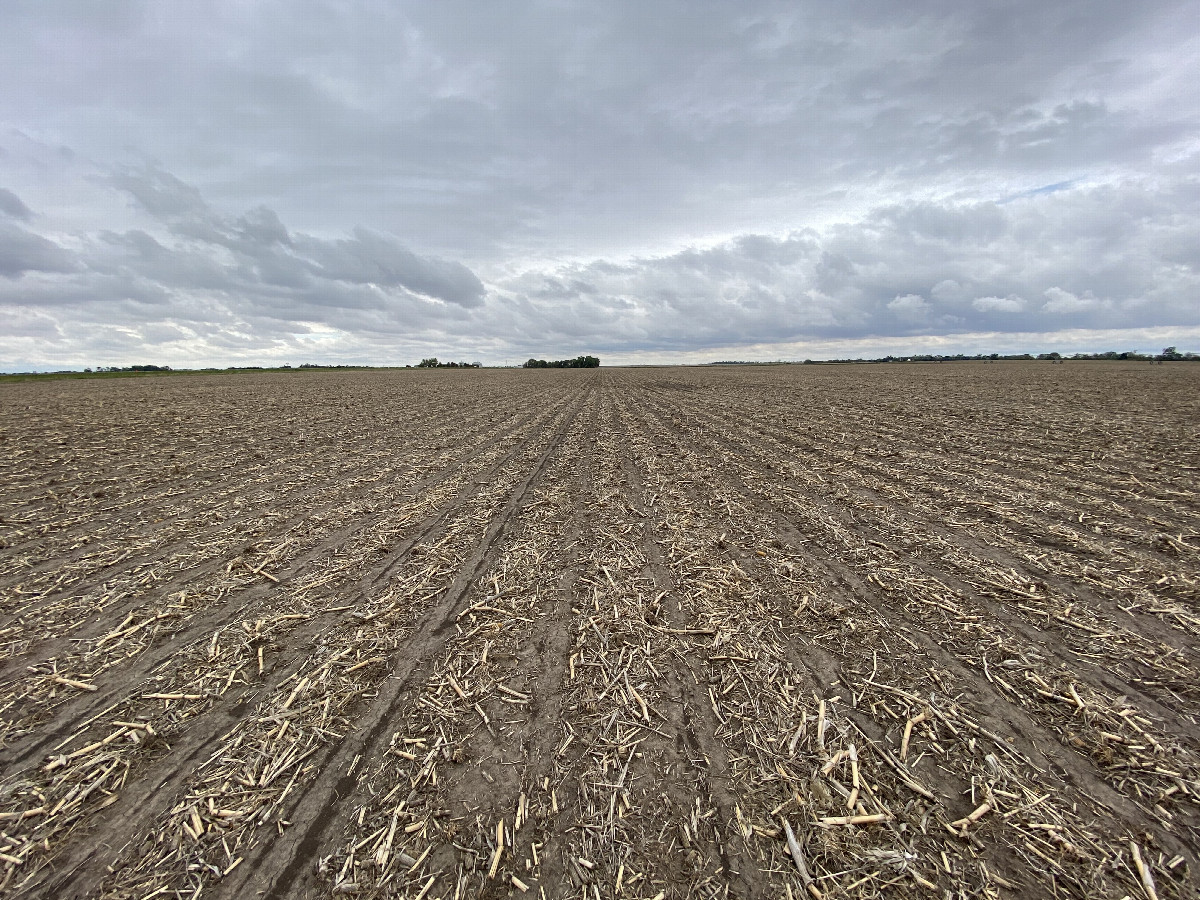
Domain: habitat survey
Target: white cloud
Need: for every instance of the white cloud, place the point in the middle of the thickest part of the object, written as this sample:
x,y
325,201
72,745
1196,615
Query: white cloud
x,y
947,291
999,304
1060,301
910,306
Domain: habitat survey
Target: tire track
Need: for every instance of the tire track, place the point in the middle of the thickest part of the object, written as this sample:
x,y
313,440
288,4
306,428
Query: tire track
x,y
472,729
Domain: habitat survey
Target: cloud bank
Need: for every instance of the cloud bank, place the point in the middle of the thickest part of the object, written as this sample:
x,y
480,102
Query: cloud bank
x,y
368,182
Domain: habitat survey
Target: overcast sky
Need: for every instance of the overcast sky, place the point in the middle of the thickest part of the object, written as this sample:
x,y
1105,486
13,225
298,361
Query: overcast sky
x,y
211,183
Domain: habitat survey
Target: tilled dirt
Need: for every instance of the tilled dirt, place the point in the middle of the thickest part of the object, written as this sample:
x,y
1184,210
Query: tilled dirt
x,y
856,631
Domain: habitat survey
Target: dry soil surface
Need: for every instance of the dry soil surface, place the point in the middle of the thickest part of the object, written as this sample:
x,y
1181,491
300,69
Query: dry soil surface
x,y
861,631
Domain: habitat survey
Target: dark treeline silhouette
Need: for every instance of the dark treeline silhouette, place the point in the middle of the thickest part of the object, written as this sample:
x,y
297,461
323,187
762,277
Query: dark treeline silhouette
x,y
579,362
1169,354
432,363
131,369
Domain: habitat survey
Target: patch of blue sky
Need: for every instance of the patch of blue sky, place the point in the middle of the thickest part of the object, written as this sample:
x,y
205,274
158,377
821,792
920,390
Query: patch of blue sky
x,y
1044,189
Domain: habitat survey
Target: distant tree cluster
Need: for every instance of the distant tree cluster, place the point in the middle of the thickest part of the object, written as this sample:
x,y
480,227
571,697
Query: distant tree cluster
x,y
432,363
132,369
1169,354
579,362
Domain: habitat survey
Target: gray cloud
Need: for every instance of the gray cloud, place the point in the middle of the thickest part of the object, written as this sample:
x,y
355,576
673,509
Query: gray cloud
x,y
378,178
901,271
22,251
373,258
262,225
255,252
11,205
160,193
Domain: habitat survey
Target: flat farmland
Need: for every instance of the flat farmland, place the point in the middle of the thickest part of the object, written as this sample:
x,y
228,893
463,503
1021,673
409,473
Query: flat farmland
x,y
825,631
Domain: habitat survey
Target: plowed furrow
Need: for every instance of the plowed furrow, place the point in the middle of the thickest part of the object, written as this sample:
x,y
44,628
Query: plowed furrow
x,y
343,693
846,650
109,655
889,534
754,631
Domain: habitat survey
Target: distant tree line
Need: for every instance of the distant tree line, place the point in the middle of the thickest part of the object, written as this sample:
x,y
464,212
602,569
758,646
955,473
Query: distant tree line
x,y
579,362
131,369
432,363
217,369
1169,354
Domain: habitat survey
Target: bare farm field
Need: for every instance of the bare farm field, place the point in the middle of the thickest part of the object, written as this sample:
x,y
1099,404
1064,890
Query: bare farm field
x,y
803,631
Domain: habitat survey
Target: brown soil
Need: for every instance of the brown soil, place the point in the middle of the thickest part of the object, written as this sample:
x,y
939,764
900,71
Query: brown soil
x,y
849,631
